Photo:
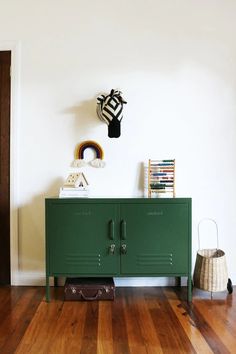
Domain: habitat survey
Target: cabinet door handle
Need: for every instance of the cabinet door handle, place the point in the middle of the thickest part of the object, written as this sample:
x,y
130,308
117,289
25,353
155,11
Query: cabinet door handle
x,y
123,230
111,230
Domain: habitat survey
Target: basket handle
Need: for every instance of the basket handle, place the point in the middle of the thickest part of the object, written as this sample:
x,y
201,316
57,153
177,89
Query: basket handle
x,y
198,229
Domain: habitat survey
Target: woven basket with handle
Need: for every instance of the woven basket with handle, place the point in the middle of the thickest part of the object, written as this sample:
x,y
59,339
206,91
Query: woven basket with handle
x,y
210,272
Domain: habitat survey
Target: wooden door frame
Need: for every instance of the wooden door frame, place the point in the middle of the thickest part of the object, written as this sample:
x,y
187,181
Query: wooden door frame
x,y
14,47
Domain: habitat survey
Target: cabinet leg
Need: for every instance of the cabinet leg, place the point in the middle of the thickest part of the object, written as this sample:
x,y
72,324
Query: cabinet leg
x,y
178,281
189,289
55,281
47,289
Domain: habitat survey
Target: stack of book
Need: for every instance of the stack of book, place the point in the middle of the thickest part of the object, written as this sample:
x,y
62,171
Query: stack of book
x,y
161,178
73,192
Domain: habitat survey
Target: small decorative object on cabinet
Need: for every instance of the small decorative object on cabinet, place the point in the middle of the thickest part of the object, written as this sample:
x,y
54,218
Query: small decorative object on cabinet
x,y
110,111
161,178
133,237
76,186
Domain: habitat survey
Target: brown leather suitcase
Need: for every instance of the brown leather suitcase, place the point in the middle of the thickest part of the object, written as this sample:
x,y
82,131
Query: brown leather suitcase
x,y
89,289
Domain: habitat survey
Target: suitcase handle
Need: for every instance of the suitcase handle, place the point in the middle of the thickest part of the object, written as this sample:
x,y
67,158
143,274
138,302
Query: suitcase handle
x,y
90,298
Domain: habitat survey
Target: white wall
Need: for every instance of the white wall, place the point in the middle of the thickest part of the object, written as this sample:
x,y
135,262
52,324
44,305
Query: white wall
x,y
175,62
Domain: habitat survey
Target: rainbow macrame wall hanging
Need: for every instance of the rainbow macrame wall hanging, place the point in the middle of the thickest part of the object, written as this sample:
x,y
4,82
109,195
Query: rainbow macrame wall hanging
x,y
79,156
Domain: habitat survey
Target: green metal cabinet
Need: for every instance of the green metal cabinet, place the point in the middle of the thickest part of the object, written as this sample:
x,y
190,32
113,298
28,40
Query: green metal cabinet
x,y
118,237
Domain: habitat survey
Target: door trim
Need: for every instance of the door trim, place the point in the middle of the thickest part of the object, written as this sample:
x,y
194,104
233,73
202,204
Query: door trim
x,y
14,47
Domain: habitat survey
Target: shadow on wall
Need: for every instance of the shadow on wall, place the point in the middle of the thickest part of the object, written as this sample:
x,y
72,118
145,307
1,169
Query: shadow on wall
x,y
140,180
85,117
32,236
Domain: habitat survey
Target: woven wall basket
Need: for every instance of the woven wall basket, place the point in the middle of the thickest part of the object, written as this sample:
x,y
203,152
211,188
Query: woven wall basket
x,y
210,272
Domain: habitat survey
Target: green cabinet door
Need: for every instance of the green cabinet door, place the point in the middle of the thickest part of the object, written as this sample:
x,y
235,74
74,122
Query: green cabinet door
x,y
154,238
82,238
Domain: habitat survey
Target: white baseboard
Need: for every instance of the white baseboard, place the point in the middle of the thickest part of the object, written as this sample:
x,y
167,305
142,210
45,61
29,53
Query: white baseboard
x,y
150,281
38,279
28,278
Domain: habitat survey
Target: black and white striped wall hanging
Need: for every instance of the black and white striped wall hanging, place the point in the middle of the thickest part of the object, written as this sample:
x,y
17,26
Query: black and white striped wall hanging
x,y
110,111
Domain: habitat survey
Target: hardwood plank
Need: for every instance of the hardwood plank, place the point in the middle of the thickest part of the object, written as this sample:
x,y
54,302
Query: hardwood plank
x,y
149,334
213,340
199,320
69,328
222,304
196,338
134,334
89,340
16,322
208,309
66,329
105,336
120,337
226,311
8,298
38,337
172,336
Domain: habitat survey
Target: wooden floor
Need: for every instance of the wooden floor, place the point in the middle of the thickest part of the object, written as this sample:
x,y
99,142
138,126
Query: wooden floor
x,y
139,321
